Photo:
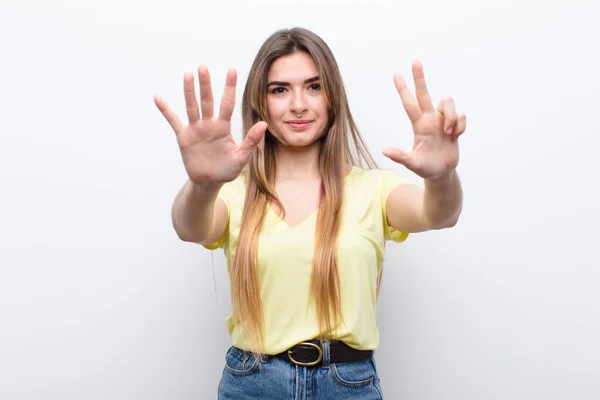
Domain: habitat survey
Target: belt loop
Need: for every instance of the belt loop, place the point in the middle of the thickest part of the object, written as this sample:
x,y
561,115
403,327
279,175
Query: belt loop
x,y
326,354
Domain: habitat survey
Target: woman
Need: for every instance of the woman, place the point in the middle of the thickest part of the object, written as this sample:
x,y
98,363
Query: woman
x,y
302,214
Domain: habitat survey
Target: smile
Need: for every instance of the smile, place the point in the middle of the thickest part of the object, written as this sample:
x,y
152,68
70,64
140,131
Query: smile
x,y
299,125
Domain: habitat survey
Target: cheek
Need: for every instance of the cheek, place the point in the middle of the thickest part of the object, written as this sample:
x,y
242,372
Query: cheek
x,y
319,105
276,109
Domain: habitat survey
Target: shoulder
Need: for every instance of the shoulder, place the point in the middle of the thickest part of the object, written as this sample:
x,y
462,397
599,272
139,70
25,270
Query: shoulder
x,y
361,175
375,178
232,192
238,185
239,182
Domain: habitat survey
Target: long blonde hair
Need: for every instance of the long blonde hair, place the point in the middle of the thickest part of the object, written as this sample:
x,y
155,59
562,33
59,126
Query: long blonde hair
x,y
341,146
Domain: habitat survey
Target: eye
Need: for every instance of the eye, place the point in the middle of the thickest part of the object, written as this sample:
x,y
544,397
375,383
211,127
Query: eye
x,y
278,90
315,86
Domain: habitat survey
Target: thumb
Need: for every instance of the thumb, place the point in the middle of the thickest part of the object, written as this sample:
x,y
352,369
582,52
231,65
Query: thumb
x,y
252,139
399,156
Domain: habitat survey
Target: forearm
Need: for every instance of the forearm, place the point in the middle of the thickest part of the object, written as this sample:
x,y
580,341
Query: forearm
x,y
193,211
442,201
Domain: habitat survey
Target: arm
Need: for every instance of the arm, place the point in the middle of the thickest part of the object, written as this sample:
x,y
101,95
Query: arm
x,y
210,155
198,215
412,209
442,202
434,158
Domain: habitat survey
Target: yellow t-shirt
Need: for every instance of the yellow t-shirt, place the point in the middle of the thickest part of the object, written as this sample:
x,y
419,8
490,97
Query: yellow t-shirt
x,y
285,256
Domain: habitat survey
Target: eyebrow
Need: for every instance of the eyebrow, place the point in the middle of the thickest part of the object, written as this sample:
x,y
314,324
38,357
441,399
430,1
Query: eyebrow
x,y
278,83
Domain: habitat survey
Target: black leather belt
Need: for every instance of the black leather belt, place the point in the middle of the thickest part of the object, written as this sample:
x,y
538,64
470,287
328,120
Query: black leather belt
x,y
308,354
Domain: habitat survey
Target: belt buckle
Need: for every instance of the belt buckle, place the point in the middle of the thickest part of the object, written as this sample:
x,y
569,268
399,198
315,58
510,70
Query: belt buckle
x,y
307,364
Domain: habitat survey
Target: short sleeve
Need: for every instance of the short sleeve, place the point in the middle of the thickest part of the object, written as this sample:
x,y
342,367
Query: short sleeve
x,y
226,194
390,180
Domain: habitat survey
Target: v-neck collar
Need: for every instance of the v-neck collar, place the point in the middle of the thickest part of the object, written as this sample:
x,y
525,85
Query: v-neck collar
x,y
311,216
281,221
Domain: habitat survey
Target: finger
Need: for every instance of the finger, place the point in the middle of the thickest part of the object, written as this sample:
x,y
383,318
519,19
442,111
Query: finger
x,y
206,96
408,101
228,100
399,156
421,88
169,115
461,125
252,139
440,107
191,104
449,112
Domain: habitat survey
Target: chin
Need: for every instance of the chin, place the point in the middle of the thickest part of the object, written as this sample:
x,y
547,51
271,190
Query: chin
x,y
298,141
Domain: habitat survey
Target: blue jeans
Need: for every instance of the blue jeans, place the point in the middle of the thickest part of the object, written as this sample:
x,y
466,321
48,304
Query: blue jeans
x,y
246,377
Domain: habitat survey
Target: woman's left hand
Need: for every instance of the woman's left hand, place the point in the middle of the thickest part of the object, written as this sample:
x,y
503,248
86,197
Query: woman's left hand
x,y
435,149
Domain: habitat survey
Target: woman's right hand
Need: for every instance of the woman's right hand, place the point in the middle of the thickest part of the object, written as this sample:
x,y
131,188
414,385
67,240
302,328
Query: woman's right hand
x,y
210,154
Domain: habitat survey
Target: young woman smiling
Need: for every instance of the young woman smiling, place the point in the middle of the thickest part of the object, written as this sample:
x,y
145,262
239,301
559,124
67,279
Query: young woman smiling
x,y
303,213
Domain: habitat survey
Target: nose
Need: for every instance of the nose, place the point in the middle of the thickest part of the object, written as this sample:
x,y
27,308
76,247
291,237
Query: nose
x,y
298,103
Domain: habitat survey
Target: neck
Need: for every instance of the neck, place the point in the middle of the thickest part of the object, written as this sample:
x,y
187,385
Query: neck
x,y
298,163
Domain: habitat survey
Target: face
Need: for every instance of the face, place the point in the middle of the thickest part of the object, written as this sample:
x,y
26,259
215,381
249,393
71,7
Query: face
x,y
294,89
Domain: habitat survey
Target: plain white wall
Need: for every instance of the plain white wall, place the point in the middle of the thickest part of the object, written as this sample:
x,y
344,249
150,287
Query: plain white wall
x,y
100,300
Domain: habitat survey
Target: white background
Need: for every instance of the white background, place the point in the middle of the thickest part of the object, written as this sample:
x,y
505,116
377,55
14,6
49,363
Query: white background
x,y
100,300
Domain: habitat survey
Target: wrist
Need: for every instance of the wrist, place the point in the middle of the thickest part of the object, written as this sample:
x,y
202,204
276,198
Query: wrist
x,y
443,179
205,188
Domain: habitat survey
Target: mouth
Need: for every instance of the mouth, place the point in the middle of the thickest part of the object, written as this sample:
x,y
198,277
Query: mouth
x,y
299,125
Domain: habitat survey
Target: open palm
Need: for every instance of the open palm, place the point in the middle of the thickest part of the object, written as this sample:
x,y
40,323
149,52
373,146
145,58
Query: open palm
x,y
209,152
435,148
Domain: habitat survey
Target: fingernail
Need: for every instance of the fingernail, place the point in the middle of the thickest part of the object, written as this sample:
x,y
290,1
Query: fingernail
x,y
449,130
